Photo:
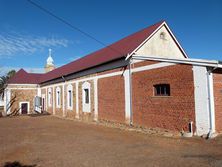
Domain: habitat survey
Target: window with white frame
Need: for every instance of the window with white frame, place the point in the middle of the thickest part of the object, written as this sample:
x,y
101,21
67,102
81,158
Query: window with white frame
x,y
69,97
58,97
50,97
86,97
86,92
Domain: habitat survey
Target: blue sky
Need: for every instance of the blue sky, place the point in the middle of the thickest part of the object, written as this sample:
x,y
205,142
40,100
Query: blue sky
x,y
26,33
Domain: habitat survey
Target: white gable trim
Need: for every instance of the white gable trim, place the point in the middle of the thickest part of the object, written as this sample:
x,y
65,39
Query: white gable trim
x,y
170,32
180,47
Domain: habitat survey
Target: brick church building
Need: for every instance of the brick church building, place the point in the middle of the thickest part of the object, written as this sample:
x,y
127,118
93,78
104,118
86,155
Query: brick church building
x,y
145,79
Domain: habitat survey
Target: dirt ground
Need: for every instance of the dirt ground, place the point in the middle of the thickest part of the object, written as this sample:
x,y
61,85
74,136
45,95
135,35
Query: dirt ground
x,y
50,141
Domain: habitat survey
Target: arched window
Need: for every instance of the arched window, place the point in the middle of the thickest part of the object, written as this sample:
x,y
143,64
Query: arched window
x,y
86,97
50,97
69,97
58,97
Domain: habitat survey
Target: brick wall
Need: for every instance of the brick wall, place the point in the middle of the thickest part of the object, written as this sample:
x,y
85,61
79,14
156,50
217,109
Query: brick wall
x,y
22,95
111,97
143,63
217,78
173,112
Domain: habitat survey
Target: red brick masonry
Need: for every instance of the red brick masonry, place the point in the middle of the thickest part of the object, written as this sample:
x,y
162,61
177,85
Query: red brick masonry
x,y
111,99
173,112
217,78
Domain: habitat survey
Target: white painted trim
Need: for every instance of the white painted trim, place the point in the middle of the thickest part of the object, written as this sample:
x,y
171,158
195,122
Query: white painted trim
x,y
77,100
39,91
127,96
22,84
58,98
63,99
86,107
200,62
53,100
20,107
49,100
69,88
134,61
201,96
5,108
212,105
22,88
88,79
7,101
46,99
148,67
96,99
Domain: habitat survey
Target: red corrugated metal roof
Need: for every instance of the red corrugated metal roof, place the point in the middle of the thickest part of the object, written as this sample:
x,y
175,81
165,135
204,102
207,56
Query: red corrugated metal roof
x,y
112,52
22,77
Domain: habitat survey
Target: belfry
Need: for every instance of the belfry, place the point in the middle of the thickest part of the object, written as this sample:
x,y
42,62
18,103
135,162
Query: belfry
x,y
49,63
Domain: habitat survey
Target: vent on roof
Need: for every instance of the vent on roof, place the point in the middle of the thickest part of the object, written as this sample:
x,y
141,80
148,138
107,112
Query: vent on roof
x,y
163,35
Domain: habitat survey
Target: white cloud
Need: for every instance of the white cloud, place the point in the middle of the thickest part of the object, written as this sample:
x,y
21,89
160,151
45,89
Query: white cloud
x,y
13,43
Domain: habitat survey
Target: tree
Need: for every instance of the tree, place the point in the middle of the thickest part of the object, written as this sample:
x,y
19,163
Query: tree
x,y
3,82
11,73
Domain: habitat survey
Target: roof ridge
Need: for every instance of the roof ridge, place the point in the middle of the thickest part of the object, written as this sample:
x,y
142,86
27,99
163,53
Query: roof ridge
x,y
125,45
104,55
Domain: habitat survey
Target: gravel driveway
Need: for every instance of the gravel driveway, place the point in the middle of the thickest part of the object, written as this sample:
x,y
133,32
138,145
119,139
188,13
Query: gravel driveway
x,y
49,141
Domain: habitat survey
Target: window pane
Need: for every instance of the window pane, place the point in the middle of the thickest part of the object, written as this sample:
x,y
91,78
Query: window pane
x,y
86,96
162,90
58,95
70,98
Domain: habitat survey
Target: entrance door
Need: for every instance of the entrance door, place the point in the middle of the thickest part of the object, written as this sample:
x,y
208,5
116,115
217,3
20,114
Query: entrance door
x,y
24,108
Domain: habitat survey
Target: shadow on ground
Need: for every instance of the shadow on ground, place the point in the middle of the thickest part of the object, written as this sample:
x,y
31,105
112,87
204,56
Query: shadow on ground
x,y
17,164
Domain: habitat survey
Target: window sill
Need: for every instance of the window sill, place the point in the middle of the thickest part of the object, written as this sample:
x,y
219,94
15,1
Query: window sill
x,y
161,96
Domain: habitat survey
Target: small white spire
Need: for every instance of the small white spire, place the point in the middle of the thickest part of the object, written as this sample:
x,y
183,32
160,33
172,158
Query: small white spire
x,y
49,59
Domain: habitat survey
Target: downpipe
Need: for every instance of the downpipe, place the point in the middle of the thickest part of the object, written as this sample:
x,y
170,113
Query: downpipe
x,y
211,133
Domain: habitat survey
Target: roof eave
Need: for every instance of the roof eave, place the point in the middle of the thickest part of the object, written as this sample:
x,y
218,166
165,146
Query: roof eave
x,y
200,62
